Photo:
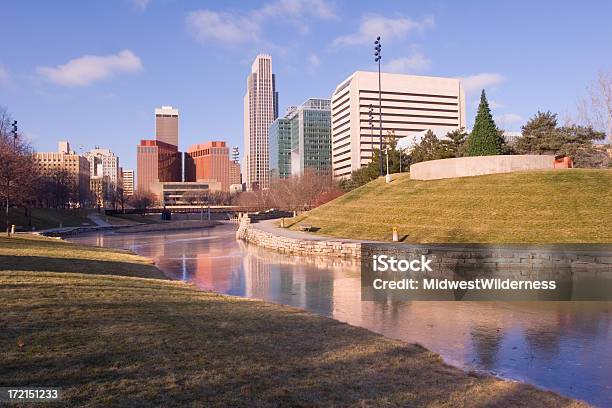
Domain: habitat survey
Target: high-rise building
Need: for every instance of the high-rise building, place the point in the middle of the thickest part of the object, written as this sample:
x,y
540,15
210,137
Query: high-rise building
x,y
77,168
235,176
410,104
167,125
103,162
279,141
157,162
260,110
128,182
311,137
208,162
301,140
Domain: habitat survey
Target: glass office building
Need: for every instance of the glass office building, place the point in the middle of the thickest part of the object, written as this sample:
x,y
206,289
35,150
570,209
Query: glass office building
x,y
311,137
301,140
280,148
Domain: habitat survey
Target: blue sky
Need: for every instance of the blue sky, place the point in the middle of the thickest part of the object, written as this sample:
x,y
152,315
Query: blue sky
x,y
93,72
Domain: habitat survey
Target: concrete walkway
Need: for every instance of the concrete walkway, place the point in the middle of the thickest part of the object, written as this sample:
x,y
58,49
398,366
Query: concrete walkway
x,y
270,226
97,219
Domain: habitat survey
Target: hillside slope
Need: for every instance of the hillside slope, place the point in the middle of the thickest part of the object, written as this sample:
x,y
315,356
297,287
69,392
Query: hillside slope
x,y
571,206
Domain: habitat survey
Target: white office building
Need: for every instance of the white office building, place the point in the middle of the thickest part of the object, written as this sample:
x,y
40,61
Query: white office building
x,y
260,110
103,162
410,105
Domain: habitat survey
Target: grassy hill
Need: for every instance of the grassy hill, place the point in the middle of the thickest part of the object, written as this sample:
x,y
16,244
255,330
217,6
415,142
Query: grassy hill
x,y
44,218
571,206
68,321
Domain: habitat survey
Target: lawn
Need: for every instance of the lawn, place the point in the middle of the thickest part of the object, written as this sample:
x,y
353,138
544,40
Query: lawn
x,y
557,206
44,218
68,320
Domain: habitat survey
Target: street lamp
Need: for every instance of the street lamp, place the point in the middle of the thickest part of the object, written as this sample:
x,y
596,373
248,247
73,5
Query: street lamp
x,y
15,135
370,118
377,58
8,224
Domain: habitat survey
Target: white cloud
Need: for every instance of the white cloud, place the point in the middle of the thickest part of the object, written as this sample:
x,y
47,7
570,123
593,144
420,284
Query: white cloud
x,y
389,29
478,82
4,75
297,9
91,68
507,119
417,62
141,4
495,104
232,28
314,61
206,25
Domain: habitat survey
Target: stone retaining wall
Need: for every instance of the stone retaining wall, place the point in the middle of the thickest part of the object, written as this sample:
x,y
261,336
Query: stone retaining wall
x,y
333,248
479,165
594,258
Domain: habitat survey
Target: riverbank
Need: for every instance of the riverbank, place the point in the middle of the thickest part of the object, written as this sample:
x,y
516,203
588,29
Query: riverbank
x,y
178,345
534,207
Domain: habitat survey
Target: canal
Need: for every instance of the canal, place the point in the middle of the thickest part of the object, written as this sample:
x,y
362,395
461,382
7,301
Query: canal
x,y
561,346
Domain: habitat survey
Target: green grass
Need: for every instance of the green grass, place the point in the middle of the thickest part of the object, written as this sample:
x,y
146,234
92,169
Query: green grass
x,y
147,219
560,206
67,321
45,218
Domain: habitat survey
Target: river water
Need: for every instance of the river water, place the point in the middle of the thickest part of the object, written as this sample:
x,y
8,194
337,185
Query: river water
x,y
561,346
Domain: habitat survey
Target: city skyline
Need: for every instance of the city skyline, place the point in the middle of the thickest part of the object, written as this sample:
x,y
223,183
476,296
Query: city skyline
x,y
57,88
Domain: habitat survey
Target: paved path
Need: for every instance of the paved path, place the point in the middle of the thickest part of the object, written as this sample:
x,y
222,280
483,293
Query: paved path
x,y
270,227
97,219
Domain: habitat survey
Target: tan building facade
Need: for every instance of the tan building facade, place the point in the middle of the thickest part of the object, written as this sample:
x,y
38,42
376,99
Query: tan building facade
x,y
410,104
67,160
128,182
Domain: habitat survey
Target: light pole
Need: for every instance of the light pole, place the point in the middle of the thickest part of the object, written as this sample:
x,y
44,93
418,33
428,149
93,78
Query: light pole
x,y
377,58
388,176
370,118
15,136
8,190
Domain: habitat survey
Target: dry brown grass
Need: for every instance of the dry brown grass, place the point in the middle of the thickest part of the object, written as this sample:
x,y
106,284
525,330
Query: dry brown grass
x,y
125,341
557,206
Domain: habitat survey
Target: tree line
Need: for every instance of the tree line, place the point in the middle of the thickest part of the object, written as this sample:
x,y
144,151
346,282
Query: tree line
x,y
540,135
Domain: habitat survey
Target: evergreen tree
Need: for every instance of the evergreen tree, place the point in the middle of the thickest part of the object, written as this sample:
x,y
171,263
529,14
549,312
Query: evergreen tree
x,y
539,135
455,145
428,148
484,139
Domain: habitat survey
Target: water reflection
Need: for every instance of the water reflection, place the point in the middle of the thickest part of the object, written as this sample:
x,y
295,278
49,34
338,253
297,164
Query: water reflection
x,y
564,346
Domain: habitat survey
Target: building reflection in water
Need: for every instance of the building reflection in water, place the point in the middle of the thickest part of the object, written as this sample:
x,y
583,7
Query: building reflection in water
x,y
564,346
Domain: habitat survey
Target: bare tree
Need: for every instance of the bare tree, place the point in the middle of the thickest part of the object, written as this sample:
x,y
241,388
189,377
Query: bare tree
x,y
142,200
595,109
17,167
201,198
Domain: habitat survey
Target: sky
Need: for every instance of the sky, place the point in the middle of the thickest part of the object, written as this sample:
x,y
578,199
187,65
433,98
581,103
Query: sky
x,y
92,72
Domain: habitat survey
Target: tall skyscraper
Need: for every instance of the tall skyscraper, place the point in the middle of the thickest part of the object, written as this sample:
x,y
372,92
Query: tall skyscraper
x,y
208,162
410,104
167,125
260,110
